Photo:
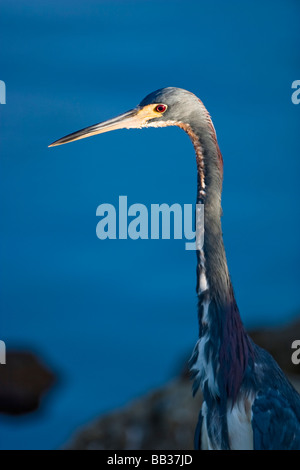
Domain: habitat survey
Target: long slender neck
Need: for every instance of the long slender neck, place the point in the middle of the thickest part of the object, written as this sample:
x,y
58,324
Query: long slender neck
x,y
227,346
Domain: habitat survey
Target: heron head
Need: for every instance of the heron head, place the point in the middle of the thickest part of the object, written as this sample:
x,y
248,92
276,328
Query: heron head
x,y
165,107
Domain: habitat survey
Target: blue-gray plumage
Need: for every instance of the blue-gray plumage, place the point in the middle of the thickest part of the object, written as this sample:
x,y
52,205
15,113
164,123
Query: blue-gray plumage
x,y
248,403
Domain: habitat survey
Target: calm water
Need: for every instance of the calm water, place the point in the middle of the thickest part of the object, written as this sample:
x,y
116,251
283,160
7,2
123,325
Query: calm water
x,y
117,318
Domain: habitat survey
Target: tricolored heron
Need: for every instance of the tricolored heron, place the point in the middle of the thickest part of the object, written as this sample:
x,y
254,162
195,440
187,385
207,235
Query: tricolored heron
x,y
248,403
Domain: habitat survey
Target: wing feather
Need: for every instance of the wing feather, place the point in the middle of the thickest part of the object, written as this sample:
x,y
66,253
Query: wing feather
x,y
275,423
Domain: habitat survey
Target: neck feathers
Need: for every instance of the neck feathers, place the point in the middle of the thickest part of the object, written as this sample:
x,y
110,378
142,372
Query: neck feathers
x,y
221,354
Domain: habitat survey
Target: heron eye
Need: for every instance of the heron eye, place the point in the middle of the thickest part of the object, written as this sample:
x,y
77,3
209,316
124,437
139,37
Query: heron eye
x,y
160,108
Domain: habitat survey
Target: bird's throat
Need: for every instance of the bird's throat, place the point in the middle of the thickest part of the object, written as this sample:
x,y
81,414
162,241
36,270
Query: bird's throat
x,y
221,354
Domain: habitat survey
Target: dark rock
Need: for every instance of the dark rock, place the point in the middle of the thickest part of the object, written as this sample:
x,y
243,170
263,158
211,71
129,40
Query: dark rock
x,y
163,419
277,341
23,381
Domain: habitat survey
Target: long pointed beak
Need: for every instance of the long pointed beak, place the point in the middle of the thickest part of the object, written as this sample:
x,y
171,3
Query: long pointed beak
x,y
135,118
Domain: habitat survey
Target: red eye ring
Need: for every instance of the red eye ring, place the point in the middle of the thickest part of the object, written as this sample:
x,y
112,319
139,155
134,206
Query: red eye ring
x,y
161,108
